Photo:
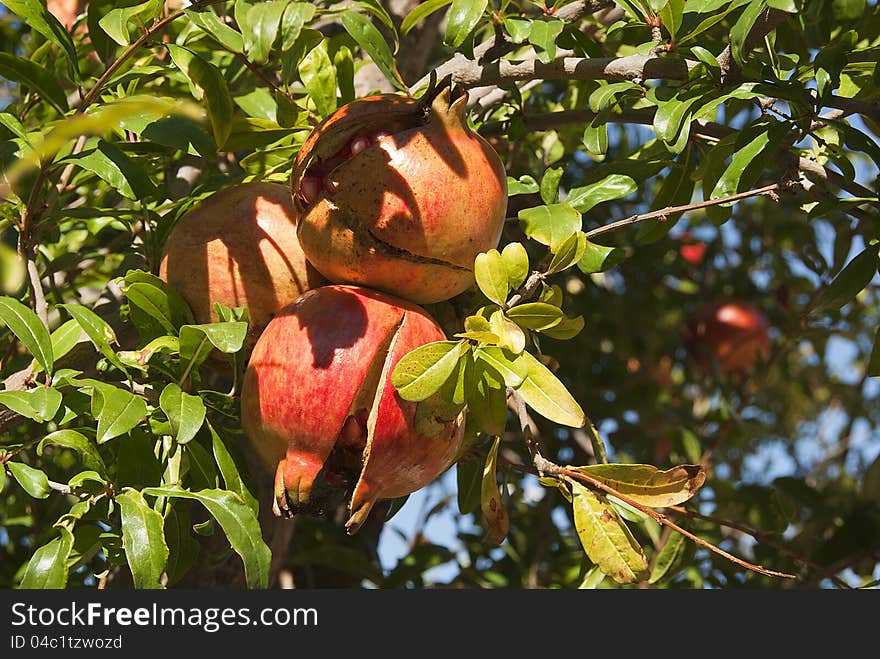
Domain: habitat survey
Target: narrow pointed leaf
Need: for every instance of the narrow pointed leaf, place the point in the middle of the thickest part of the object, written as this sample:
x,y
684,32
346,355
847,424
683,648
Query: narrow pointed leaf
x,y
143,539
26,326
238,522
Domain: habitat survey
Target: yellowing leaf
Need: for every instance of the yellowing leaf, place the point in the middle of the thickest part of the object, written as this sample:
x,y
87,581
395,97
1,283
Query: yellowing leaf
x,y
648,485
490,498
605,538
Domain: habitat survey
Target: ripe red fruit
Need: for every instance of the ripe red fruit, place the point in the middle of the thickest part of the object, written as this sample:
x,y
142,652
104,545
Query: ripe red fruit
x,y
239,247
399,194
733,332
319,407
693,253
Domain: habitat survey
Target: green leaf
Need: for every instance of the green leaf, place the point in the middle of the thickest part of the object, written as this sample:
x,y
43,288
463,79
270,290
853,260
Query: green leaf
x,y
611,187
185,412
37,17
601,97
536,316
671,15
550,225
672,121
598,258
423,371
510,335
295,17
260,29
490,498
208,21
512,370
40,404
517,27
156,308
48,566
65,339
570,252
605,537
196,340
516,262
143,539
371,40
707,58
420,12
36,77
544,393
550,185
182,547
567,329
469,475
76,441
117,410
672,557
230,470
117,22
98,331
27,327
110,164
208,84
543,35
461,20
238,522
490,272
729,182
850,281
523,185
595,139
33,481
648,485
318,76
740,30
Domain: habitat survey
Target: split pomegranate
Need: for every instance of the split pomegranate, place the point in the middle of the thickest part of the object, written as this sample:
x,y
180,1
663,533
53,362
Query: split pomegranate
x,y
399,194
319,407
732,332
239,247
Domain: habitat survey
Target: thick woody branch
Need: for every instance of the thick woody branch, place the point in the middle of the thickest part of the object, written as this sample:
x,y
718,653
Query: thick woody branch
x,y
496,47
768,21
470,73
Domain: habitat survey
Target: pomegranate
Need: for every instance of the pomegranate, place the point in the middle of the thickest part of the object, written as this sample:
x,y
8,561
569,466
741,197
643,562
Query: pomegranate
x,y
239,247
319,408
399,194
733,332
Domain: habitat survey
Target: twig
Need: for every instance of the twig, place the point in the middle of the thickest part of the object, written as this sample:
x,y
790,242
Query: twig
x,y
157,25
568,474
262,76
34,282
544,467
673,210
762,538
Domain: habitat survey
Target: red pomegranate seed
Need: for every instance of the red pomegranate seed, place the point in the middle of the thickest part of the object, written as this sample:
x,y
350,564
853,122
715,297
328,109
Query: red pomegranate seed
x,y
309,188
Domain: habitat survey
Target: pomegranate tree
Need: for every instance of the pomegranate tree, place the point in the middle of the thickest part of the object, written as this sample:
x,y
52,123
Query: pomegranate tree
x,y
319,407
399,194
239,247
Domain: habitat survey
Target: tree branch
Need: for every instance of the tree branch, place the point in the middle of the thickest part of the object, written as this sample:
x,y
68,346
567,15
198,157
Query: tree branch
x,y
763,539
768,20
673,210
492,48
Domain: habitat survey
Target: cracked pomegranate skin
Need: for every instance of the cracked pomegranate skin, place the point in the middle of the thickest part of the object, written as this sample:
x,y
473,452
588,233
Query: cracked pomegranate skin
x,y
239,247
318,392
408,212
733,332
